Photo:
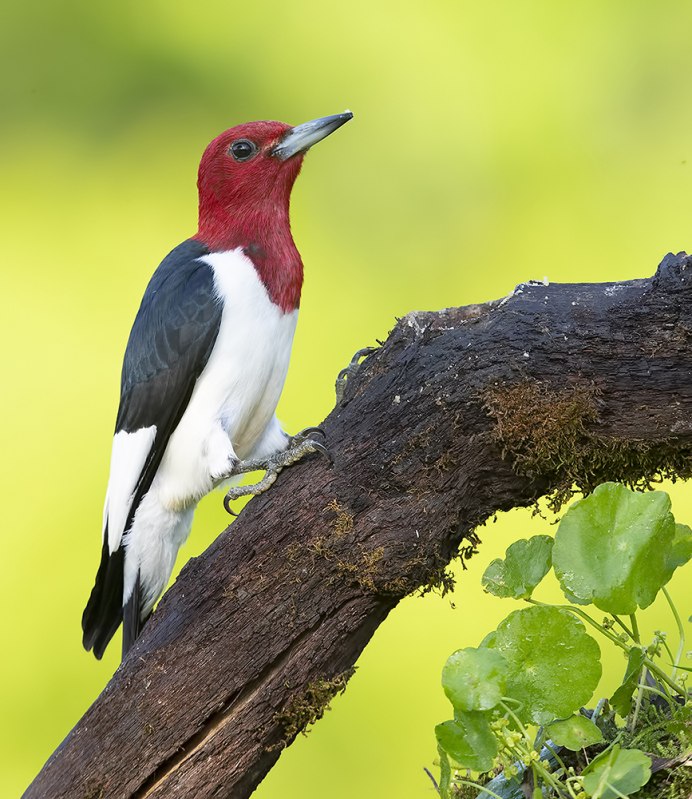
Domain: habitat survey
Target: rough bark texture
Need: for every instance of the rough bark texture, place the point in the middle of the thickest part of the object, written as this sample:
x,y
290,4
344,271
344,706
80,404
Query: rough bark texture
x,y
460,413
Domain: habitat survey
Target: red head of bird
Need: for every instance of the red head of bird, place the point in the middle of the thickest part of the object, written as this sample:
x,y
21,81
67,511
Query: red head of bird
x,y
245,179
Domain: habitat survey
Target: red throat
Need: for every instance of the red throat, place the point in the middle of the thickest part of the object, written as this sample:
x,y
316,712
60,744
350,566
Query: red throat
x,y
246,206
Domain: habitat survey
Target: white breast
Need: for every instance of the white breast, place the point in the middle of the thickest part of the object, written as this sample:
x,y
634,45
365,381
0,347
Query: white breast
x,y
240,386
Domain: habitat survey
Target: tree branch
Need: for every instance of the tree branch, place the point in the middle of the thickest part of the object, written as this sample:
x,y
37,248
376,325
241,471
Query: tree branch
x,y
460,413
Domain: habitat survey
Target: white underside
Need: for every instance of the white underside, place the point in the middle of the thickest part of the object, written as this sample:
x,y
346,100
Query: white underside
x,y
230,416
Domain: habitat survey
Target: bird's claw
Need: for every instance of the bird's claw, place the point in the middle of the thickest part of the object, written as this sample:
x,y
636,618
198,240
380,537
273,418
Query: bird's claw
x,y
308,431
227,505
254,490
299,446
349,371
305,439
321,448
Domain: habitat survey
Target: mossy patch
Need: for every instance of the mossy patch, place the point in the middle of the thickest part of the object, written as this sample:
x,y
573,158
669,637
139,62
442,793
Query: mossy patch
x,y
365,568
93,789
549,434
416,445
668,739
344,518
293,551
674,784
365,565
440,581
309,706
446,462
362,570
661,734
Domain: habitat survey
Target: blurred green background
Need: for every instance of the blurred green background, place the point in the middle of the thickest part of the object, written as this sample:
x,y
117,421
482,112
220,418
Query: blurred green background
x,y
492,143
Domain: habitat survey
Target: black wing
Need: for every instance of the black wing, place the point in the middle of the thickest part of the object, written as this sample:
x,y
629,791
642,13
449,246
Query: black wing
x,y
170,343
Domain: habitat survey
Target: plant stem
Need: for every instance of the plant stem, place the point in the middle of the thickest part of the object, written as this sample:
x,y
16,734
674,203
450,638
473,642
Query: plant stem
x,y
681,631
445,772
538,740
653,690
598,709
623,625
548,779
473,784
557,757
520,726
638,703
432,779
635,627
521,754
667,648
568,783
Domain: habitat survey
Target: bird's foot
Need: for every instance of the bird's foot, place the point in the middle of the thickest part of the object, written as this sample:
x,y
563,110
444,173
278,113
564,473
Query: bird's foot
x,y
299,446
349,371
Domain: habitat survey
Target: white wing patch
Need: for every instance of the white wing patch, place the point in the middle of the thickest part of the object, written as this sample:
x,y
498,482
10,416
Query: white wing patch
x,y
128,456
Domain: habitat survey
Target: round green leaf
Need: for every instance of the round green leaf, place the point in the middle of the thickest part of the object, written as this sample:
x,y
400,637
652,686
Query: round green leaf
x,y
574,733
474,679
615,548
682,546
468,740
554,665
526,563
616,772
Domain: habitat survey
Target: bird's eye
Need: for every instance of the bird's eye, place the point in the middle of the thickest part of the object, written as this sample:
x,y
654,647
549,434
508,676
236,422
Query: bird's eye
x,y
243,149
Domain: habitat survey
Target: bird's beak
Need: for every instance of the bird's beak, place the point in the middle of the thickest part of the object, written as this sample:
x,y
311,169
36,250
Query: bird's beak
x,y
302,137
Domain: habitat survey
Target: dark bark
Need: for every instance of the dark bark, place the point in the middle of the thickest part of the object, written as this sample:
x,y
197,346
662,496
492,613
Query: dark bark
x,y
460,413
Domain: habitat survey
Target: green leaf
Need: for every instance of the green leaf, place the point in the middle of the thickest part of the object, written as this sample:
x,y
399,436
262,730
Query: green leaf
x,y
621,700
526,563
616,548
468,740
616,772
682,546
475,679
574,733
489,641
554,665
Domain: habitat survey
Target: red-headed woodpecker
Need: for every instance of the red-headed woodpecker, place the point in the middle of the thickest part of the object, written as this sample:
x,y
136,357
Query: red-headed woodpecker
x,y
204,368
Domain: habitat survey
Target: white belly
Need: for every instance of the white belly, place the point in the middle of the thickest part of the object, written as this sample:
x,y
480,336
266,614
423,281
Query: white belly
x,y
236,395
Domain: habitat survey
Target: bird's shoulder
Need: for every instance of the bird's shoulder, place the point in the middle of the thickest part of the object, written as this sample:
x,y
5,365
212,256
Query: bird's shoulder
x,y
181,288
179,314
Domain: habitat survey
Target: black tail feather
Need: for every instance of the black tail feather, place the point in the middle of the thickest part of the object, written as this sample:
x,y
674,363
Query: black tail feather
x,y
132,621
104,610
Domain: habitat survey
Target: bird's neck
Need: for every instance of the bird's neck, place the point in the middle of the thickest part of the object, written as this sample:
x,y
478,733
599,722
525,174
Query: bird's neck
x,y
263,232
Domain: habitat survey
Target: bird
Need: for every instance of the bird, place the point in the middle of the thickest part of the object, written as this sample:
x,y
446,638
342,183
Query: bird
x,y
203,370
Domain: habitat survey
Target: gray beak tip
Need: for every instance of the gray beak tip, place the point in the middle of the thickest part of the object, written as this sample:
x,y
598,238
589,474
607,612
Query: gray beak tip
x,y
302,137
